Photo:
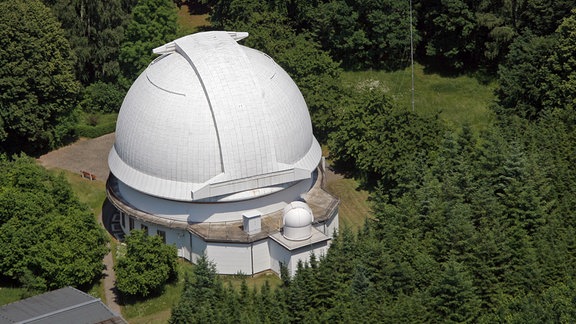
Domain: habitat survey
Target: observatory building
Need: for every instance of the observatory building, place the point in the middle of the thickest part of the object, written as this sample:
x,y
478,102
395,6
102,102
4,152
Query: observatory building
x,y
214,152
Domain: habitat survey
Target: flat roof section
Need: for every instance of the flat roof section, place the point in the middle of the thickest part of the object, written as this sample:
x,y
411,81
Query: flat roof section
x,y
292,245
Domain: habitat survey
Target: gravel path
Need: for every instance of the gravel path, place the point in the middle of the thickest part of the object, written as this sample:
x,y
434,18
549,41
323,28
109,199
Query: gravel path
x,y
89,155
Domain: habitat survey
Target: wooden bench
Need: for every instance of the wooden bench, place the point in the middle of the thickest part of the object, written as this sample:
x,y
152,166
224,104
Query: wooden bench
x,y
87,175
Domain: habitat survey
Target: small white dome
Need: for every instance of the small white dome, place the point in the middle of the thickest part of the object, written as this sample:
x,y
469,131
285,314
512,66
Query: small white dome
x,y
297,221
212,118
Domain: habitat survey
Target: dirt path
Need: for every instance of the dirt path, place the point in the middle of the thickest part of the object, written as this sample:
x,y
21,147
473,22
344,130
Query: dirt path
x,y
110,285
89,155
109,281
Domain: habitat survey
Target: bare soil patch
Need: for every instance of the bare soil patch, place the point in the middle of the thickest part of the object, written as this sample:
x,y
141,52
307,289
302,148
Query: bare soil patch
x,y
90,155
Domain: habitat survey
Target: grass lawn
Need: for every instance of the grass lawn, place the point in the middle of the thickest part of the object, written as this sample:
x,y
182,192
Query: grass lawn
x,y
354,207
99,118
459,99
158,309
10,294
190,23
91,193
93,125
253,282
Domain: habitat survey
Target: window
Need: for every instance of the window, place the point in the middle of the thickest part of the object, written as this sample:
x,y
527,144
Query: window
x,y
162,234
144,228
131,223
122,215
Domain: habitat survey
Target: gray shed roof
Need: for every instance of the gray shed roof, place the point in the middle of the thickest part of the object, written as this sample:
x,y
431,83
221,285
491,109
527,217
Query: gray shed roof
x,y
65,305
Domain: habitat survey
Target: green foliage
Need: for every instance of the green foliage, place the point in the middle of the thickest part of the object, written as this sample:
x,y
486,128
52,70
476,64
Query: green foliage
x,y
463,35
147,266
455,300
38,91
522,83
448,28
94,131
555,304
539,75
48,239
364,34
95,125
224,13
561,92
102,97
377,139
336,26
153,23
542,17
157,308
206,300
360,34
200,295
95,30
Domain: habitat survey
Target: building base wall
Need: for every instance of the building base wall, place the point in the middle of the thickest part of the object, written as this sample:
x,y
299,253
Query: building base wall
x,y
233,258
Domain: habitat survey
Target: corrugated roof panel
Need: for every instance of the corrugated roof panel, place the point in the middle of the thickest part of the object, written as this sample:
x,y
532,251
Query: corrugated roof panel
x,y
65,305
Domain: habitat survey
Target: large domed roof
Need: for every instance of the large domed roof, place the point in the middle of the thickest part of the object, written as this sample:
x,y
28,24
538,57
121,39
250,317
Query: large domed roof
x,y
212,118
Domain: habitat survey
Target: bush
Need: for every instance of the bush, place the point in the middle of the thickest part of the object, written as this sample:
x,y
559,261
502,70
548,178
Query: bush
x,y
102,97
147,266
95,131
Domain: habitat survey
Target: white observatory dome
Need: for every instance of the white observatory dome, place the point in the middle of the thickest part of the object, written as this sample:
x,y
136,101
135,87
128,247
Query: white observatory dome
x,y
297,221
210,118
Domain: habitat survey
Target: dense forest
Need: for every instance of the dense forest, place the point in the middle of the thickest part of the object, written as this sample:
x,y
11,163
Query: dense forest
x,y
469,225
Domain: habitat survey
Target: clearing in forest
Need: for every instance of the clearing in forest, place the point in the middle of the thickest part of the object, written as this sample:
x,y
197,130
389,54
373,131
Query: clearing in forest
x,y
459,100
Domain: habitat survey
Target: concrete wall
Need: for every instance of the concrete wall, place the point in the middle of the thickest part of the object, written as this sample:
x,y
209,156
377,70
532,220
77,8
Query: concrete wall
x,y
332,225
278,254
197,246
329,226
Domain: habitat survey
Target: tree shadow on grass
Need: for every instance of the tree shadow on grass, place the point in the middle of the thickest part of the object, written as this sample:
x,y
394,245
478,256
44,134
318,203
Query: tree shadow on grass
x,y
197,8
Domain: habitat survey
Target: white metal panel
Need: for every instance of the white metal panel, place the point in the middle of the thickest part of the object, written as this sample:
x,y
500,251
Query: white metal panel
x,y
198,247
230,258
212,118
211,212
261,256
278,255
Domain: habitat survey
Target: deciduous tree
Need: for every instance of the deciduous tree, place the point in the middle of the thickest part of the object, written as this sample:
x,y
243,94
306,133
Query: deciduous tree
x,y
38,90
153,23
147,266
48,239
